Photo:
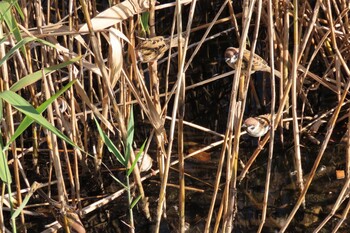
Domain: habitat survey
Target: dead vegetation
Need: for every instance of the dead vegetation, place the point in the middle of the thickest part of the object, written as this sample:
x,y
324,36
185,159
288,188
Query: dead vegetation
x,y
83,82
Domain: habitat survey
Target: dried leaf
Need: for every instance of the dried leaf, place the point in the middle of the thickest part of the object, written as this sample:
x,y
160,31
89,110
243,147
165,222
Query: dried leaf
x,y
201,156
117,14
116,58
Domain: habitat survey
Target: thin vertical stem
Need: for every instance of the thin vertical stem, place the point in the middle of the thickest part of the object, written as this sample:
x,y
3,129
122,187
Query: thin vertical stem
x,y
296,130
271,31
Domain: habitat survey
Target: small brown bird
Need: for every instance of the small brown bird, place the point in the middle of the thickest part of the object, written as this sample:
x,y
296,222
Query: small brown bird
x,y
257,126
152,49
259,64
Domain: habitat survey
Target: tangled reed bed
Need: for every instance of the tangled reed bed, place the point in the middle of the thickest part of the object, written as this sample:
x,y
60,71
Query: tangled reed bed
x,y
83,82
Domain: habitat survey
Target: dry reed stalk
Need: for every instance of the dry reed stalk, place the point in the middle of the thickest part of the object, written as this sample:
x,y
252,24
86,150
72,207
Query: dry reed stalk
x,y
209,25
201,128
104,88
226,138
181,112
233,17
161,202
161,159
63,124
228,134
10,127
296,129
117,112
285,56
108,199
71,125
340,199
179,101
347,156
320,117
217,22
230,211
331,123
54,154
205,35
154,92
267,136
182,49
319,40
194,178
186,187
271,32
342,218
75,131
51,138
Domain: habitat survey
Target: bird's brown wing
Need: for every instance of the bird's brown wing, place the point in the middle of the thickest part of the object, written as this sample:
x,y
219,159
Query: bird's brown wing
x,y
265,117
259,64
246,58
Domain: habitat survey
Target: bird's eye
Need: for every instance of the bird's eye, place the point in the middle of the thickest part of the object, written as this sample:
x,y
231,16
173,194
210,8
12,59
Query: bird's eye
x,y
235,57
251,127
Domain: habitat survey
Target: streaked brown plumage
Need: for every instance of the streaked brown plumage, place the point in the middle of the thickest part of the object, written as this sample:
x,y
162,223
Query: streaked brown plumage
x,y
259,64
152,49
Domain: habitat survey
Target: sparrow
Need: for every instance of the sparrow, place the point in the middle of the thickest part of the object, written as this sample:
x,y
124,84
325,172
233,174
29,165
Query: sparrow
x,y
257,126
62,104
259,64
152,49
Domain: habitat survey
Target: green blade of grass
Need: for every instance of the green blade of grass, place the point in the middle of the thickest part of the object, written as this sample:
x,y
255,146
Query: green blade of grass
x,y
34,187
8,17
118,181
26,108
130,135
27,121
137,157
144,23
110,146
18,8
5,174
32,78
135,201
15,48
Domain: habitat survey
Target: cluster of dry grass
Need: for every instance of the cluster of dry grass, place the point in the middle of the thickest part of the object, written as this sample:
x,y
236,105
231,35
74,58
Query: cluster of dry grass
x,y
71,72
